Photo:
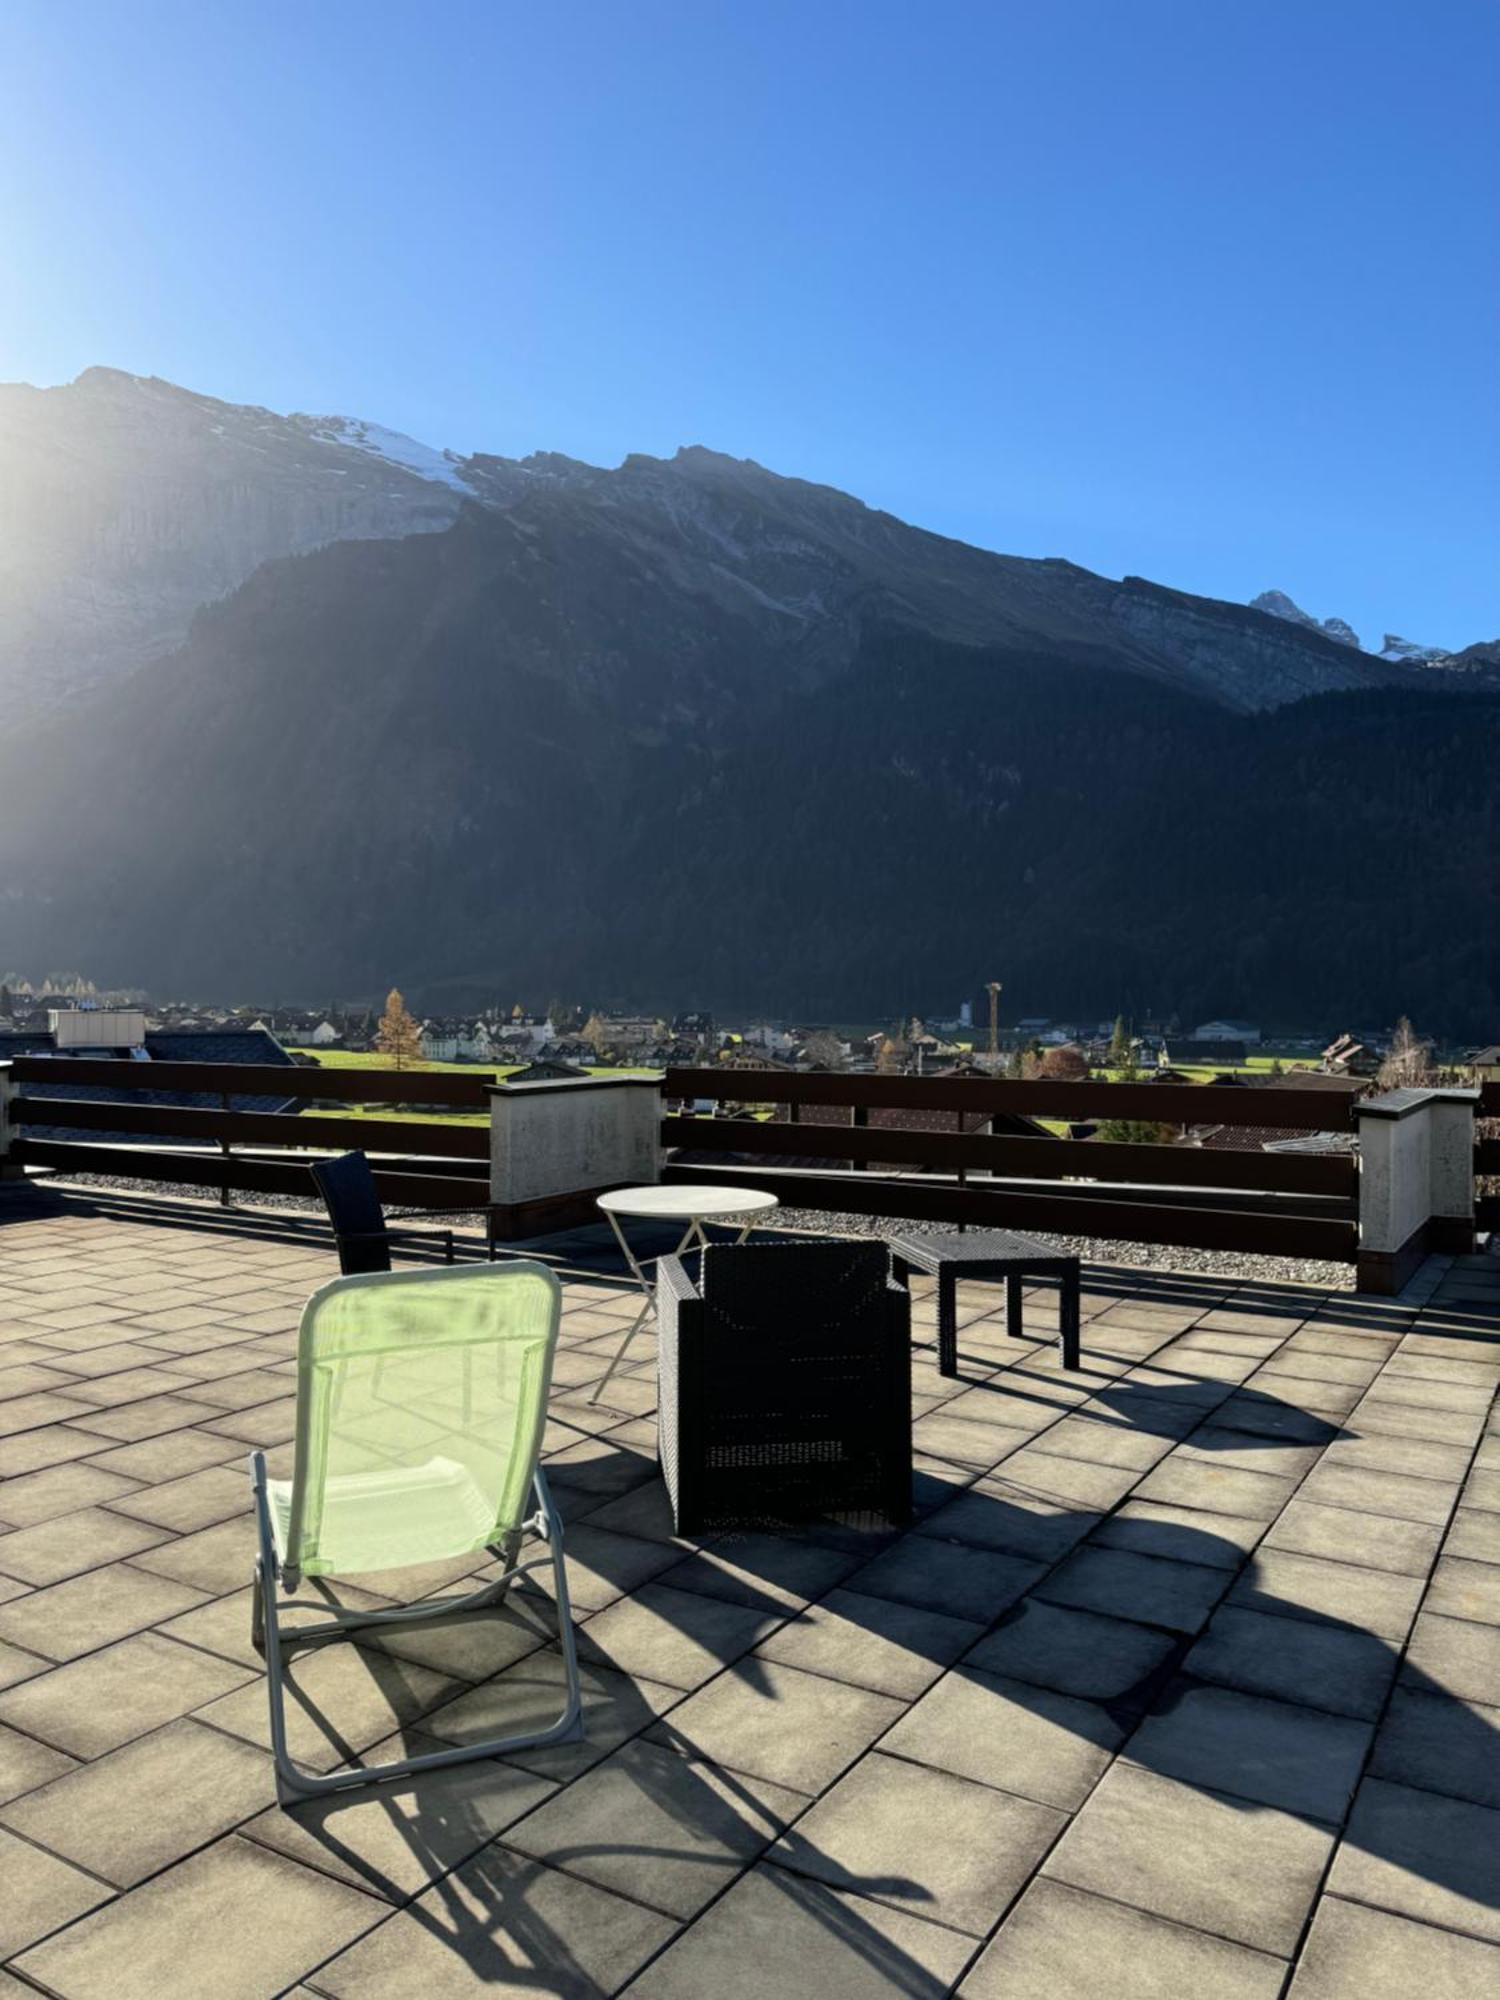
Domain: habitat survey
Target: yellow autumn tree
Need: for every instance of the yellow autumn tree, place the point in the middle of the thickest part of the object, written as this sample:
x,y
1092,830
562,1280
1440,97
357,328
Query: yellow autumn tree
x,y
399,1035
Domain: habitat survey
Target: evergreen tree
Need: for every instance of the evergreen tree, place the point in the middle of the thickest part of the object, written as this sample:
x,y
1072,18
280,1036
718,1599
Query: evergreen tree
x,y
399,1036
1119,1045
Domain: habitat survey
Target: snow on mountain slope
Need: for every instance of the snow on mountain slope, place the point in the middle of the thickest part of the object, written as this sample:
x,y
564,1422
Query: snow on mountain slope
x,y
127,504
1408,653
395,447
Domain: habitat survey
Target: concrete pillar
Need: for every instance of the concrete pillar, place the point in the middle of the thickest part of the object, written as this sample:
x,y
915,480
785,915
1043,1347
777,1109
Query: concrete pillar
x,y
555,1146
1416,1182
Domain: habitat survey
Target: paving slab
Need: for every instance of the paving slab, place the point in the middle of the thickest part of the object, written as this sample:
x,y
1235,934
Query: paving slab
x,y
1243,1872
1060,1943
777,1932
1425,1856
235,1921
1220,1444
529,1696
1298,1586
1422,1458
1077,1482
1103,1439
994,1515
473,1645
197,1500
64,1620
1075,1652
1330,1667
1451,1654
767,1720
923,1841
340,1698
770,1573
1438,1743
214,1559
1460,1589
1178,1534
1260,1415
1119,1583
1023,1739
666,1830
26,1762
1222,1489
96,1703
677,1636
1396,1494
1355,1953
396,1839
1275,1753
41,1893
941,1434
1344,1535
956,1579
873,1642
1475,1535
500,1928
60,1489
73,1543
141,1807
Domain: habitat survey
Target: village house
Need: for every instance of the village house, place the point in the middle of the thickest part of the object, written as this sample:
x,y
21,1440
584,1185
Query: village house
x,y
1227,1031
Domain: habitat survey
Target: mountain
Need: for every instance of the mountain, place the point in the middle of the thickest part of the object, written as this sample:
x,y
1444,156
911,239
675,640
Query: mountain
x,y
1394,650
688,732
532,758
1411,653
126,504
1279,605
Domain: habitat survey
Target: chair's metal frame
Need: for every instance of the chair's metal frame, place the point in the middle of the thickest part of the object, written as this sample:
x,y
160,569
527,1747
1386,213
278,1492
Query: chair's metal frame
x,y
268,1638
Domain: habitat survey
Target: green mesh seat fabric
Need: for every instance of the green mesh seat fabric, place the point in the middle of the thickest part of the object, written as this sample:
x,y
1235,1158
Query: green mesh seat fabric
x,y
421,1399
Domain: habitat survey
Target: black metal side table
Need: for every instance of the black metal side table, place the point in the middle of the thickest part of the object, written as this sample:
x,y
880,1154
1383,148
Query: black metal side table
x,y
990,1253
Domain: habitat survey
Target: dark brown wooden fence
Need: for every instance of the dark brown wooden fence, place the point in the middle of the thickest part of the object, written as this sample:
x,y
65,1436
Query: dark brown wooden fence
x,y
432,1165
1284,1204
1487,1160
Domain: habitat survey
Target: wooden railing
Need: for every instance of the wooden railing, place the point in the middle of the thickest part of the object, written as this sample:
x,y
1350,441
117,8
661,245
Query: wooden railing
x,y
418,1163
1487,1159
1301,1205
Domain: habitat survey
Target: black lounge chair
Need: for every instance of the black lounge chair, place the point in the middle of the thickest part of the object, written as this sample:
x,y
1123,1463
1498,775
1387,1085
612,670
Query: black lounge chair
x,y
360,1225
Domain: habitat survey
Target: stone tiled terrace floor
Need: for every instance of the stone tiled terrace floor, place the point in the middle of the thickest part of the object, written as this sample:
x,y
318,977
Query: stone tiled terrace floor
x,y
1187,1680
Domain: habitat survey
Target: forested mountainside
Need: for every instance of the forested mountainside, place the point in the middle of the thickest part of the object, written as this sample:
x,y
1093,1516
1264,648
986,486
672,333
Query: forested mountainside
x,y
400,761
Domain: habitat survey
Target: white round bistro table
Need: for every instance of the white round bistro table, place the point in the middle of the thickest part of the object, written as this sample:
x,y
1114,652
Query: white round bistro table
x,y
691,1205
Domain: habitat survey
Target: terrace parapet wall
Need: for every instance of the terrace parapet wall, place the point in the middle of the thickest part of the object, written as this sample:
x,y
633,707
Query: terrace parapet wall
x,y
1416,1182
556,1146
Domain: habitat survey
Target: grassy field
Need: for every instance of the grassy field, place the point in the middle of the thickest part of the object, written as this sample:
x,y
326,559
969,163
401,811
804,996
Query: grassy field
x,y
354,1059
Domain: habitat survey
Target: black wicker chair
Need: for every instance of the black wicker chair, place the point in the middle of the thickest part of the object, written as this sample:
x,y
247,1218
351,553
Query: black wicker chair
x,y
785,1385
360,1228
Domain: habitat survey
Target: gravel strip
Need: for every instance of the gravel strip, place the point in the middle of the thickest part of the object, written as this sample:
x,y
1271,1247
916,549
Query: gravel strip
x,y
1232,1265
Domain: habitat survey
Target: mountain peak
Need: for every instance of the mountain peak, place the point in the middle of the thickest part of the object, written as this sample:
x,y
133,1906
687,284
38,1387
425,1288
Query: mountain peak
x,y
1409,652
1279,605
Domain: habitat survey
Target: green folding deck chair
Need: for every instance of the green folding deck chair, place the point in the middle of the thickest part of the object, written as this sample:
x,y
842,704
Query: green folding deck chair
x,y
421,1400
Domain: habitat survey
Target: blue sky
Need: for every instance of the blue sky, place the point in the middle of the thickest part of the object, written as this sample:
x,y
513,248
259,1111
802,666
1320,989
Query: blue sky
x,y
1204,290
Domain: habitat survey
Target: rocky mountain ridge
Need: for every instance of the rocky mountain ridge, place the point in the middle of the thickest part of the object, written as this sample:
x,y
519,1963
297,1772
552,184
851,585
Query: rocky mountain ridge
x,y
127,505
1393,648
